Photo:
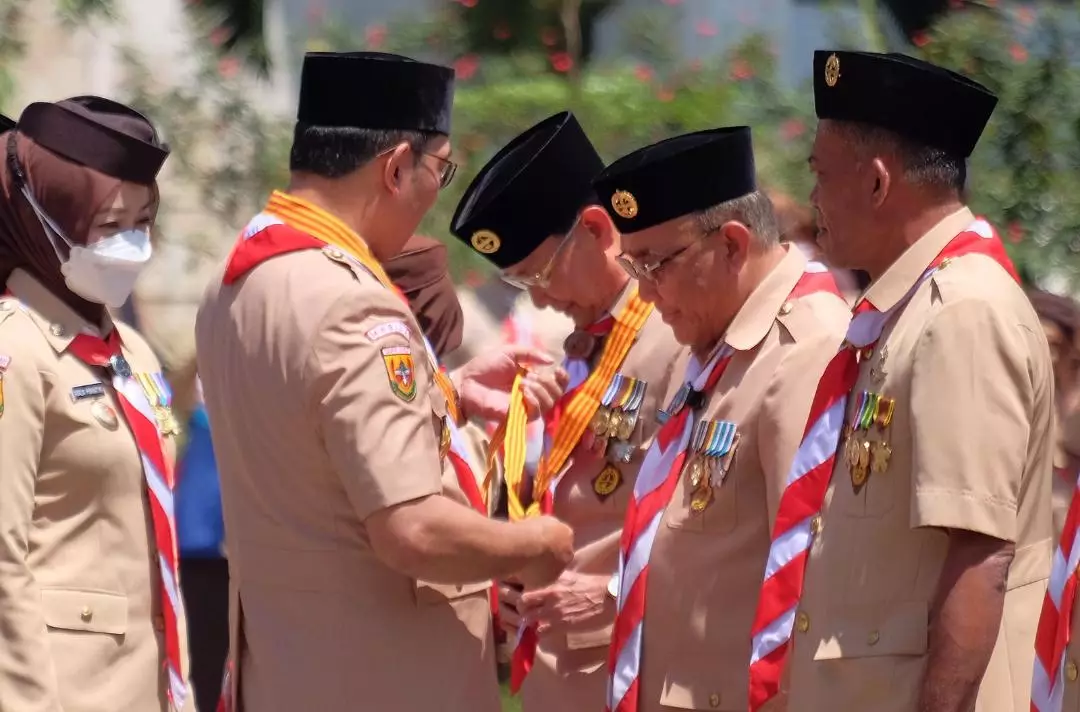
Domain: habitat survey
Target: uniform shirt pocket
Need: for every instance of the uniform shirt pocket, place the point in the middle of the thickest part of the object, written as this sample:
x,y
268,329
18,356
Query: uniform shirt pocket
x,y
433,594
91,611
900,629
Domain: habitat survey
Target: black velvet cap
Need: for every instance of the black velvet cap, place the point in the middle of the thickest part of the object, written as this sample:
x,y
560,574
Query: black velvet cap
x,y
532,189
6,124
375,90
915,99
98,133
678,176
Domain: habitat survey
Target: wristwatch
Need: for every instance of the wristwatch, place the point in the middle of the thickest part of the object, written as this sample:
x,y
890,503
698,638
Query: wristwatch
x,y
613,586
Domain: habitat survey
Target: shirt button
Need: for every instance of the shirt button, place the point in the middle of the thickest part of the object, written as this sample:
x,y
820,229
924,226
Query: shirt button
x,y
714,700
335,253
87,614
815,525
57,330
873,638
802,622
1071,671
786,308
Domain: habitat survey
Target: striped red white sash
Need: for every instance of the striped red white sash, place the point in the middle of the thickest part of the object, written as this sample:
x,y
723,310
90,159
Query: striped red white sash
x,y
159,481
657,478
1055,623
811,471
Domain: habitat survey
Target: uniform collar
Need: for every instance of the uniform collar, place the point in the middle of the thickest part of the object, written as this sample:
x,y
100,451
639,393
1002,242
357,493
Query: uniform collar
x,y
768,300
896,281
58,322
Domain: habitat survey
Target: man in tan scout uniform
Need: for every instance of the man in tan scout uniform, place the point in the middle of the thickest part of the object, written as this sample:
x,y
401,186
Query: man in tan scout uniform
x,y
360,570
531,212
760,322
927,566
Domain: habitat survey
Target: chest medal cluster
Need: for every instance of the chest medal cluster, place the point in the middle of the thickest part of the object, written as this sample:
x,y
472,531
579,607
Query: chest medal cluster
x,y
866,445
617,417
712,450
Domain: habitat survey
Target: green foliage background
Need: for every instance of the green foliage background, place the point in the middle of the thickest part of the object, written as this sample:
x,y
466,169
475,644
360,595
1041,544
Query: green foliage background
x,y
516,69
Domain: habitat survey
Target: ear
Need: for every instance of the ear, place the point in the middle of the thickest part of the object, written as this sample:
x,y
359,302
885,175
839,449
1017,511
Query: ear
x,y
596,220
736,239
397,164
882,181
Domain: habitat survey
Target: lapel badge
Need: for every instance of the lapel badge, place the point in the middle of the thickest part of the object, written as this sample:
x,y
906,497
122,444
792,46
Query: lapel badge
x,y
104,414
877,371
678,402
832,70
607,481
625,204
866,455
713,444
485,242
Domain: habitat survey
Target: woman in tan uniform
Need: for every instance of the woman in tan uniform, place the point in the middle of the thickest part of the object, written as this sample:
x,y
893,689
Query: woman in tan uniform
x,y
89,599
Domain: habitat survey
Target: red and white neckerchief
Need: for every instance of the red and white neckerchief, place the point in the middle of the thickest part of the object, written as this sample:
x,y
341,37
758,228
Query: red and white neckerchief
x,y
1055,622
656,482
811,471
528,639
97,352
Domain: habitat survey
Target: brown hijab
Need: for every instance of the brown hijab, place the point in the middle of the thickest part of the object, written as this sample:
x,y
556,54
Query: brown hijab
x,y
73,157
421,271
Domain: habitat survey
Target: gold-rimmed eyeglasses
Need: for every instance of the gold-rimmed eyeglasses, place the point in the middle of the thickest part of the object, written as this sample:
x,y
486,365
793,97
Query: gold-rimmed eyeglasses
x,y
542,278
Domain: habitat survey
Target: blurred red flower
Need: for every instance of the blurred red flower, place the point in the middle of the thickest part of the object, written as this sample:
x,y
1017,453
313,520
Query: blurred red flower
x,y
501,31
705,28
921,39
1015,232
643,73
375,35
465,67
1019,52
792,129
561,61
665,94
228,67
549,36
741,70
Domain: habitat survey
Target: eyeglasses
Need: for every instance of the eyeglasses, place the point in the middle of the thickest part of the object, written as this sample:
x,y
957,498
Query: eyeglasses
x,y
449,170
647,270
541,279
642,271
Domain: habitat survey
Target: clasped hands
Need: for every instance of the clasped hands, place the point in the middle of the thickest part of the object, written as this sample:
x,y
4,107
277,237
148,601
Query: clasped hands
x,y
574,602
484,383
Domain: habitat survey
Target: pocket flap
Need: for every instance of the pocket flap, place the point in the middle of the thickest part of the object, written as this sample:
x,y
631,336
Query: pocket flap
x,y
583,640
78,609
683,696
901,630
434,593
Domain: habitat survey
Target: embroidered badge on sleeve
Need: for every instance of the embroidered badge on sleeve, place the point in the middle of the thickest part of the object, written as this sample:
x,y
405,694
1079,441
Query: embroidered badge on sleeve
x,y
388,328
399,368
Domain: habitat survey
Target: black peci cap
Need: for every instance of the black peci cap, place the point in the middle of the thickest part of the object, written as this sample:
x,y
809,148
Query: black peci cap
x,y
6,124
915,99
532,189
375,90
678,176
98,133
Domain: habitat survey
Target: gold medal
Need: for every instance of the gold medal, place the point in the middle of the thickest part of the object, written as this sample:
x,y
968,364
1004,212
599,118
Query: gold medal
x,y
880,452
851,450
696,472
860,470
614,424
599,424
701,499
626,426
104,414
579,344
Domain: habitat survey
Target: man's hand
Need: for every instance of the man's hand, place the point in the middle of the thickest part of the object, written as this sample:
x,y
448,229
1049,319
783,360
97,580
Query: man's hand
x,y
557,541
484,382
509,600
574,601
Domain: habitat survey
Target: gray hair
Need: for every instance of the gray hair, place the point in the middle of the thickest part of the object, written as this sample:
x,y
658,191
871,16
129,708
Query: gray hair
x,y
923,165
754,210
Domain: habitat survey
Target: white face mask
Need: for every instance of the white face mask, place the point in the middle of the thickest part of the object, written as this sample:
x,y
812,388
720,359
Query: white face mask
x,y
104,272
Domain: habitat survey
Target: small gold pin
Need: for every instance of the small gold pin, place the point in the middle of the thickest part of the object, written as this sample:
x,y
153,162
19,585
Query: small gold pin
x,y
832,70
625,204
485,242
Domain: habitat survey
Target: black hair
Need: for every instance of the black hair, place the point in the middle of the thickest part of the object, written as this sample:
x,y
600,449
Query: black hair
x,y
923,164
336,151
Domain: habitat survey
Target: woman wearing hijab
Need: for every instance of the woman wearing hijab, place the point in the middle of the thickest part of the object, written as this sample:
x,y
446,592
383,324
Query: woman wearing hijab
x,y
89,601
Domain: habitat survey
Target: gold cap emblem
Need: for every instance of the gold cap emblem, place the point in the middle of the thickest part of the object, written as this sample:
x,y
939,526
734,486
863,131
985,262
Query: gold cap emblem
x,y
624,203
485,242
832,70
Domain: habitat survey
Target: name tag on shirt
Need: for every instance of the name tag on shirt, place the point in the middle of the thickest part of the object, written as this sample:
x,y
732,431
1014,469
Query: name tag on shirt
x,y
90,390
